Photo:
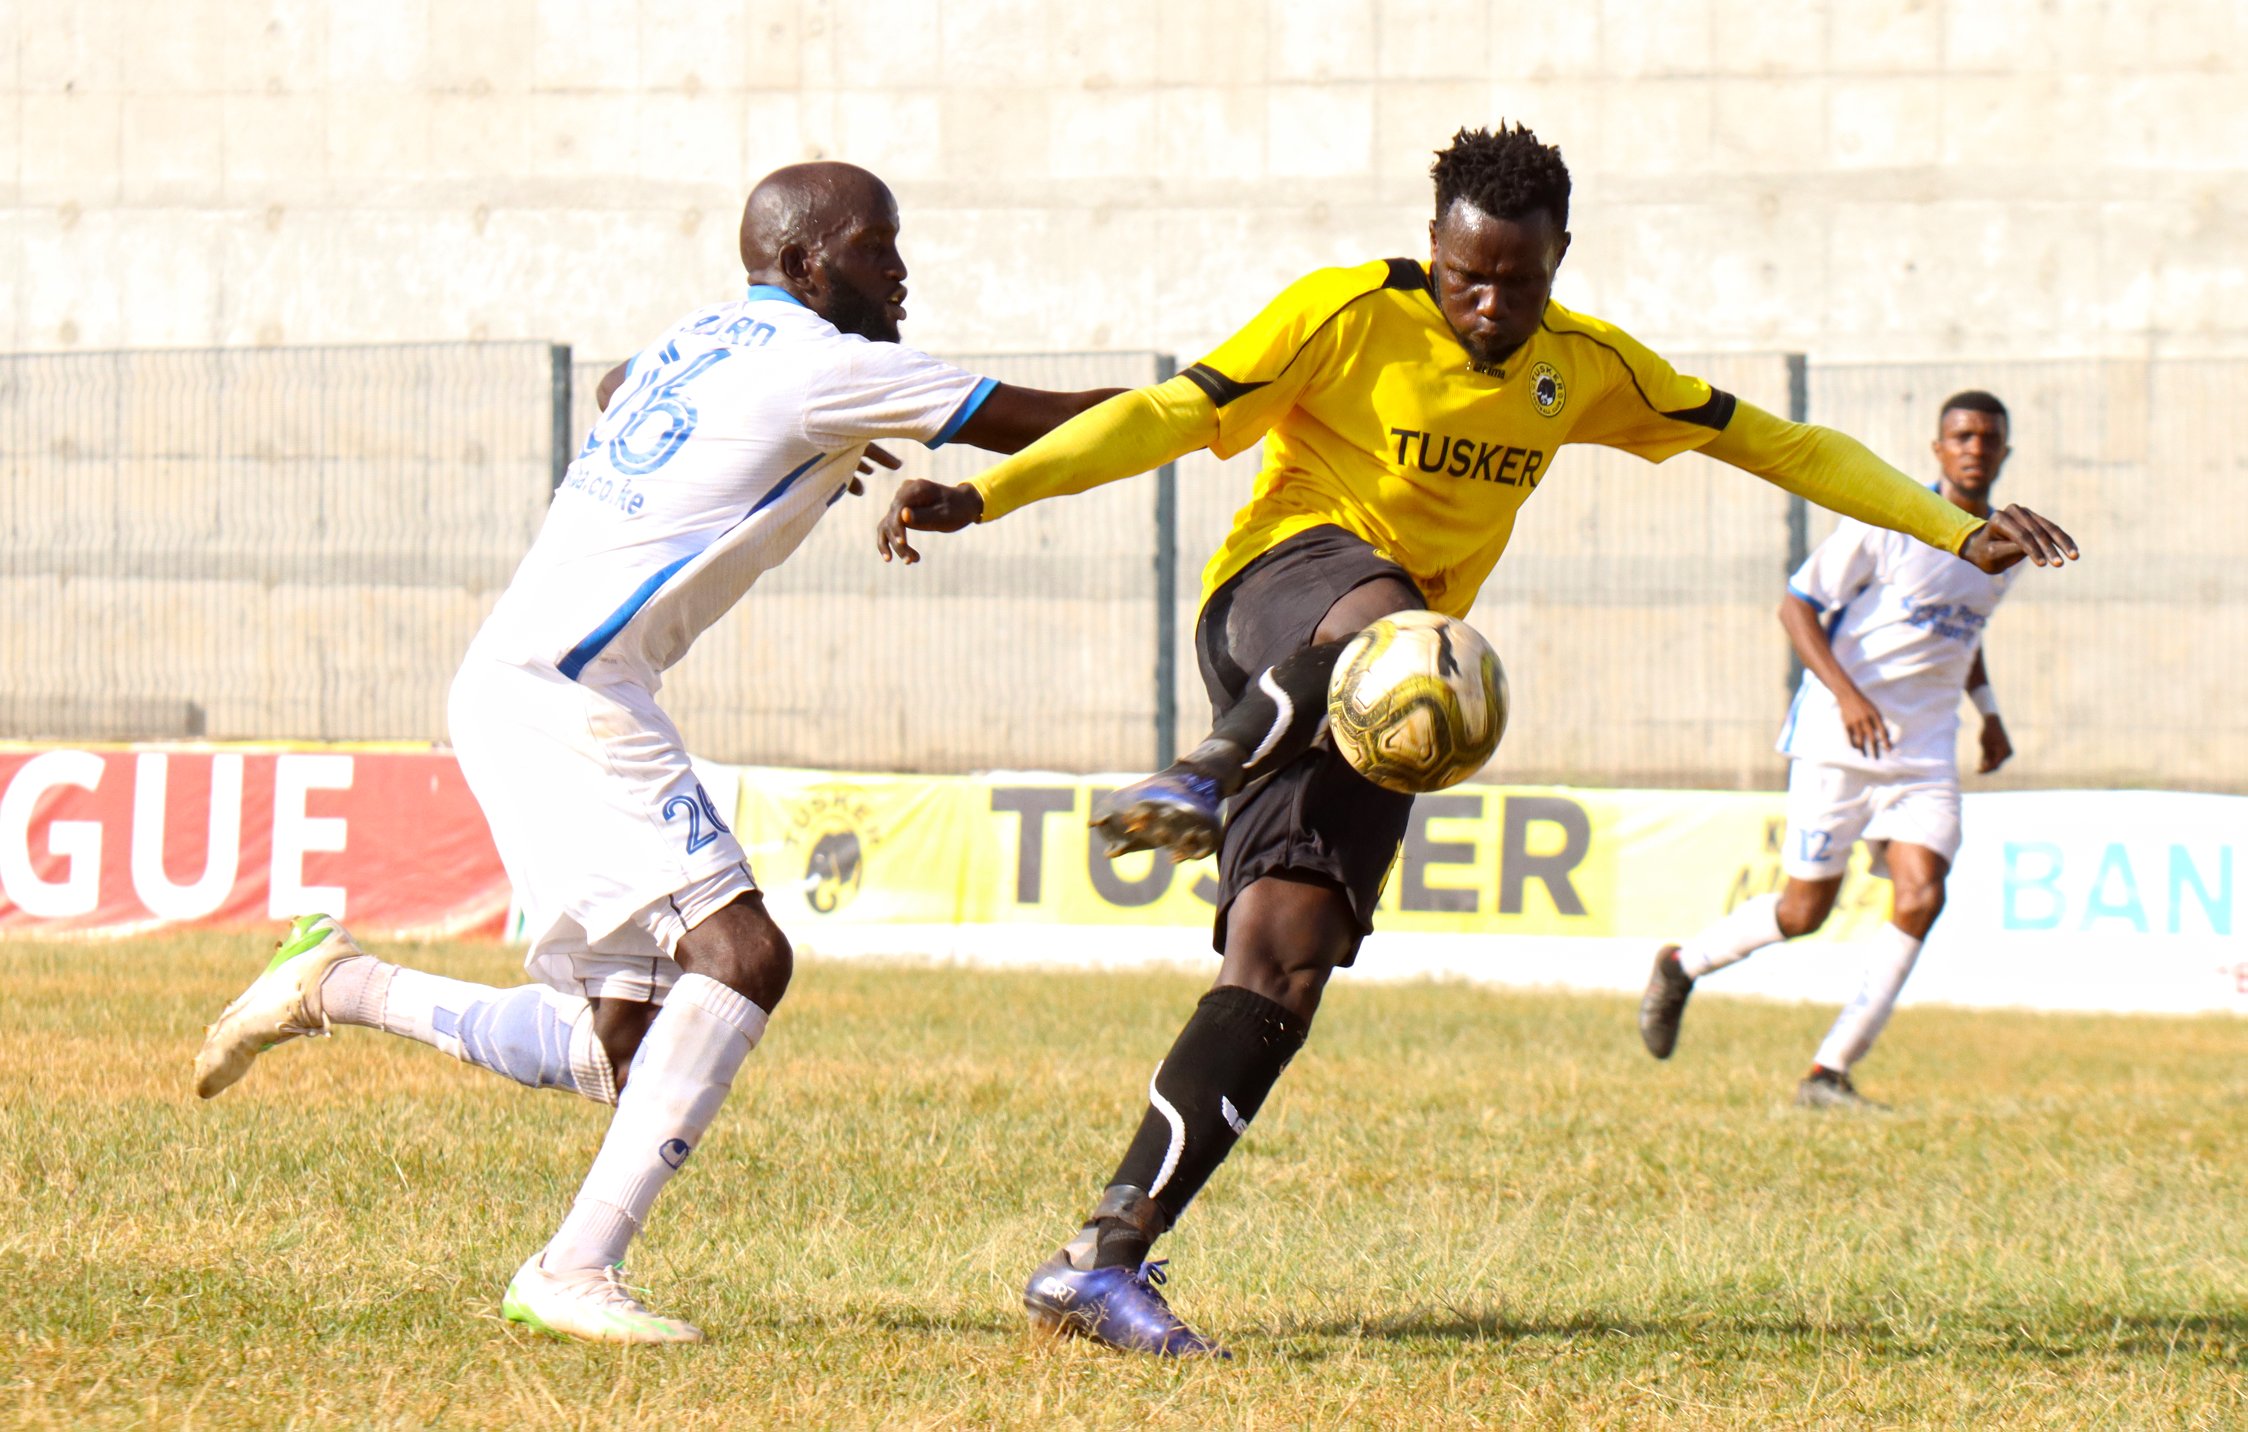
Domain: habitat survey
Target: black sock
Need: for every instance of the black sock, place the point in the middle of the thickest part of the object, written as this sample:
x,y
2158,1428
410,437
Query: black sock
x,y
1274,722
1215,1079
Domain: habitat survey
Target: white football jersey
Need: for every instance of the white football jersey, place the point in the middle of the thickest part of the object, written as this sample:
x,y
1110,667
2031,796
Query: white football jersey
x,y
1905,621
730,436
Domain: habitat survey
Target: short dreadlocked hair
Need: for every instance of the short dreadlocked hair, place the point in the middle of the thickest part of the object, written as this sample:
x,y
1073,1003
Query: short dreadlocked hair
x,y
1505,172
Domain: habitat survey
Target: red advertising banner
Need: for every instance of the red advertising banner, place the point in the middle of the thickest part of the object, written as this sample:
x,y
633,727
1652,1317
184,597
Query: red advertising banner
x,y
117,840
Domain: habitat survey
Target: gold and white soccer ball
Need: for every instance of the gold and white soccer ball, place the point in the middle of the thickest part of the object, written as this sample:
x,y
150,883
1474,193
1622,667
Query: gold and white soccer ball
x,y
1417,702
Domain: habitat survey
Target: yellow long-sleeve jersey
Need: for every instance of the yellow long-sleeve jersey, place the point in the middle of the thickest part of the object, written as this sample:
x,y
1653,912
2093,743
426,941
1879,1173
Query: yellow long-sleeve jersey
x,y
1374,421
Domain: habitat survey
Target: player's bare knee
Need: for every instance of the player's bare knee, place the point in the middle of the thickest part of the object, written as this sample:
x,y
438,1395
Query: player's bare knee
x,y
1300,989
1286,961
1803,908
1917,904
1295,982
741,948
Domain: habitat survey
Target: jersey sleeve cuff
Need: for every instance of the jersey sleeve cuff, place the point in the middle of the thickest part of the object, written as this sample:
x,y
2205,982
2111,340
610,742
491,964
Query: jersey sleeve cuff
x,y
965,411
992,510
1805,597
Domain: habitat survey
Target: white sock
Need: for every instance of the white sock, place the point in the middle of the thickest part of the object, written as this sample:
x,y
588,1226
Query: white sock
x,y
1888,963
1749,927
685,1065
537,1036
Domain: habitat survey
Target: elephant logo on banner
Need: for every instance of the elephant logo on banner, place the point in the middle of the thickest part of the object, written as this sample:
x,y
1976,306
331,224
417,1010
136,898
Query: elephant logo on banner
x,y
831,874
831,829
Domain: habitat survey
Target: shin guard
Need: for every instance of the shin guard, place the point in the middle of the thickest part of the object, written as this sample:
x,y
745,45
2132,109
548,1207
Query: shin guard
x,y
1275,721
685,1064
1889,963
1200,1102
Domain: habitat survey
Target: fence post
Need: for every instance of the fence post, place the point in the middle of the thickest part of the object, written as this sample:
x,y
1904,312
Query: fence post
x,y
1166,595
559,453
1798,511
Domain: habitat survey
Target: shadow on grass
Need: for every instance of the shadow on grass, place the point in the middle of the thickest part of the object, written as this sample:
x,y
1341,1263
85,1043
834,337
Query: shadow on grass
x,y
2050,1333
103,1303
979,1324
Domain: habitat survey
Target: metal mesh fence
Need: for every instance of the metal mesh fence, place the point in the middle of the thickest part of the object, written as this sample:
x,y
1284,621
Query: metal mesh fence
x,y
299,543
259,542
1634,611
2127,669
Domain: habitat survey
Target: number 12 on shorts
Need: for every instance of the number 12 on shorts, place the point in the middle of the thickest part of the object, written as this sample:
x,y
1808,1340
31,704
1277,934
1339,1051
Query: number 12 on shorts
x,y
697,809
1814,844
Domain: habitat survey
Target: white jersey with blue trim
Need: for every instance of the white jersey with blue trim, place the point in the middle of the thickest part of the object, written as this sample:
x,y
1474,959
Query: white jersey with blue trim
x,y
1905,621
730,436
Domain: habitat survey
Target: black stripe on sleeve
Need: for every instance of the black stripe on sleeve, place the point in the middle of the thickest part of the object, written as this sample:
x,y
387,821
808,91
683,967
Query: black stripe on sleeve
x,y
1715,413
1406,274
1222,390
1403,273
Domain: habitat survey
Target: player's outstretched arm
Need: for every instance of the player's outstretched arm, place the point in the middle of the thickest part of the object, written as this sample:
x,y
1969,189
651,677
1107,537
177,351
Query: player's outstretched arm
x,y
1011,418
1135,431
1862,721
1839,473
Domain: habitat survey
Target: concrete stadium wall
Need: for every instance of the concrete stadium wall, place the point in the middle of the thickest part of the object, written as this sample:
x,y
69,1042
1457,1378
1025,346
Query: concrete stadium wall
x,y
1964,185
1856,179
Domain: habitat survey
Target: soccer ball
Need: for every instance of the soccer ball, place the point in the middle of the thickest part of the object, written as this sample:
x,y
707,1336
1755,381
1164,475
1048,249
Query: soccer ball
x,y
1417,702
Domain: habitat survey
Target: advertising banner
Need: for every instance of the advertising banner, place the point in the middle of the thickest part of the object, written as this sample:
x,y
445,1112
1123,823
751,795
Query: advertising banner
x,y
2096,900
2084,900
2099,900
117,840
1481,860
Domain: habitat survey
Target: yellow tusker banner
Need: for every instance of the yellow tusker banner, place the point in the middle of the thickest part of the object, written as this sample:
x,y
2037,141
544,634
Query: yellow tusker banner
x,y
1003,849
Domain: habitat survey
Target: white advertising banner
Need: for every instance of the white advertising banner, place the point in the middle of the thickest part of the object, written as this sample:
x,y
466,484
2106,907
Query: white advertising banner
x,y
2123,901
2095,900
2114,901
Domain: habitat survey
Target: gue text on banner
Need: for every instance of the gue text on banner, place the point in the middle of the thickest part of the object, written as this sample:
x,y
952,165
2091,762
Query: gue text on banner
x,y
117,840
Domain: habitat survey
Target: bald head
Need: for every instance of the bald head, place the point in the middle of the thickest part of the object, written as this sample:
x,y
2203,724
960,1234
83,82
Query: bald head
x,y
828,234
807,206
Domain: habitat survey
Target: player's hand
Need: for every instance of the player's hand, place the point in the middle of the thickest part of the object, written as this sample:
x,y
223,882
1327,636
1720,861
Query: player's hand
x,y
875,453
2013,533
1996,748
924,506
1868,732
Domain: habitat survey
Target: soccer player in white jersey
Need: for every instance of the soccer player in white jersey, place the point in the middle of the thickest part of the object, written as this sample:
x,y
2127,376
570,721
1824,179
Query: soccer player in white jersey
x,y
1889,631
654,961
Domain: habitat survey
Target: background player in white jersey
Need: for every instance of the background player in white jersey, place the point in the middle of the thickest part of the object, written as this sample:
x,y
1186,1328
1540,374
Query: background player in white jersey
x,y
1889,630
655,961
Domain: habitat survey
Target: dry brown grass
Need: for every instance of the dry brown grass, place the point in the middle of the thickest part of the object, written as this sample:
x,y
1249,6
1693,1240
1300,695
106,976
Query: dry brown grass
x,y
1464,1207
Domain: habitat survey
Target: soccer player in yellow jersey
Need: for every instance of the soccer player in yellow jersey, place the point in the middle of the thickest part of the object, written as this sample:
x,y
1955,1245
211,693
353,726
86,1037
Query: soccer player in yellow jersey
x,y
1407,412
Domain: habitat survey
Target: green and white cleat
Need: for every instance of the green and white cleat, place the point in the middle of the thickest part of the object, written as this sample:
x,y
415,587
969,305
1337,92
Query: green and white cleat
x,y
280,1004
589,1303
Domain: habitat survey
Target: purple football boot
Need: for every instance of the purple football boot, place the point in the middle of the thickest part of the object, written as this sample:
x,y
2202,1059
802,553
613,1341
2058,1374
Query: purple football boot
x,y
1117,1306
1175,809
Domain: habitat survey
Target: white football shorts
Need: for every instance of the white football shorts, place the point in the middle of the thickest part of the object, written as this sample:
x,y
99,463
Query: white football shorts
x,y
613,846
1831,808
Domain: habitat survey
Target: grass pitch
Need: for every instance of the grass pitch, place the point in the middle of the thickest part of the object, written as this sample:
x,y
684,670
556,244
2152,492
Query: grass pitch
x,y
1463,1207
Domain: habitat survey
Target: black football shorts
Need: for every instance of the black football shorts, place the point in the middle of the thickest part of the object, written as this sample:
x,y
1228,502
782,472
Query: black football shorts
x,y
1315,818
